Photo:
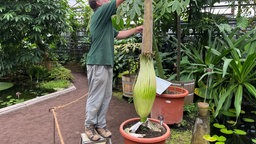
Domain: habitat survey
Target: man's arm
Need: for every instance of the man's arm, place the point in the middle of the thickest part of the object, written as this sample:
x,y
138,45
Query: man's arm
x,y
118,2
126,33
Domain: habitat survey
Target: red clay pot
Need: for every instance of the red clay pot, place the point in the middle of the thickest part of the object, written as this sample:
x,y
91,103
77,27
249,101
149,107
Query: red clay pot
x,y
170,106
128,139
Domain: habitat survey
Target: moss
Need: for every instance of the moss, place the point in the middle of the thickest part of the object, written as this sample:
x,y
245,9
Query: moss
x,y
180,137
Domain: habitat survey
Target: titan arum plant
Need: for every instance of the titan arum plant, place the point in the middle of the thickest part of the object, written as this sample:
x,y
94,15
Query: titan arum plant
x,y
144,91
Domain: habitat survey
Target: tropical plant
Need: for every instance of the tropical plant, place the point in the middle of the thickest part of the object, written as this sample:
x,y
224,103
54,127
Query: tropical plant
x,y
126,56
238,70
128,14
227,64
29,29
126,59
37,73
199,63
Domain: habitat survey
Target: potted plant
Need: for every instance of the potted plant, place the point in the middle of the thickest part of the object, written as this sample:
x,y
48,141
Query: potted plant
x,y
170,105
133,139
144,92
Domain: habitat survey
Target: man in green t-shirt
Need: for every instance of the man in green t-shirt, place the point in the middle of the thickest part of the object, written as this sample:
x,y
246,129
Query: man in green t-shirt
x,y
100,61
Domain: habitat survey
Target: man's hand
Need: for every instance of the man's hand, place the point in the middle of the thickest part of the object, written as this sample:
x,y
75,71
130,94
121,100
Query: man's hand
x,y
126,33
138,29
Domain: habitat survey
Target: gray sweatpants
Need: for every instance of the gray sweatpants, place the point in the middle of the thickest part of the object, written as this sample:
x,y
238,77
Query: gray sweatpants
x,y
99,94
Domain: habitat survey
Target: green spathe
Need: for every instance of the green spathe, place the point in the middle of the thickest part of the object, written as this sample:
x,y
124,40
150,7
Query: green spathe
x,y
144,91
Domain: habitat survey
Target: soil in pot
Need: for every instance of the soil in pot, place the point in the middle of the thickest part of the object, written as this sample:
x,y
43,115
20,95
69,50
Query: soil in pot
x,y
145,130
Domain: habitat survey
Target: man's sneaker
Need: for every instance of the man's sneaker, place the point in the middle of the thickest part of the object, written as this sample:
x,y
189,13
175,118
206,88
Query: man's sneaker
x,y
104,132
92,134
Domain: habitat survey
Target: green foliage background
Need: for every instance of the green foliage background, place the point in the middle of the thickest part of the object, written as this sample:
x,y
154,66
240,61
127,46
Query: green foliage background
x,y
29,30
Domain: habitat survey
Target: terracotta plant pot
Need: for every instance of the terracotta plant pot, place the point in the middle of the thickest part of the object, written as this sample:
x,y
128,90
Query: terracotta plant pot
x,y
170,105
203,108
128,139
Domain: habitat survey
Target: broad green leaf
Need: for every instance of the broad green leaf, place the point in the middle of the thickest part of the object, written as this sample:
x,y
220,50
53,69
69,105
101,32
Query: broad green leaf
x,y
225,66
28,8
228,113
221,138
243,37
209,138
249,120
224,27
220,126
254,140
214,51
231,45
226,131
238,100
222,99
248,66
250,88
175,5
239,132
236,67
8,16
5,85
242,22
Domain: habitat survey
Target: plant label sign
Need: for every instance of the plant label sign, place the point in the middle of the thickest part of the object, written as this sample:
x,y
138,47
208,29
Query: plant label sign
x,y
161,85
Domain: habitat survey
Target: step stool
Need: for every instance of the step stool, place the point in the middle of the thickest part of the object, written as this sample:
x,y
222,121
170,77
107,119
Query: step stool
x,y
86,140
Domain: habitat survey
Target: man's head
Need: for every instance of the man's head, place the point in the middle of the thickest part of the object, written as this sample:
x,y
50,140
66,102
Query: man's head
x,y
94,4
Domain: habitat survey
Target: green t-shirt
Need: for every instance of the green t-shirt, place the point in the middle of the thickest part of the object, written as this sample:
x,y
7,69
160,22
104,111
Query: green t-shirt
x,y
102,36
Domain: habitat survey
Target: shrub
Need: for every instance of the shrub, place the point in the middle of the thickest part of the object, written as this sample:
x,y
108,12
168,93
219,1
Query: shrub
x,y
60,73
